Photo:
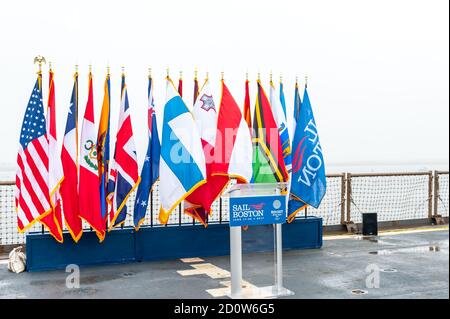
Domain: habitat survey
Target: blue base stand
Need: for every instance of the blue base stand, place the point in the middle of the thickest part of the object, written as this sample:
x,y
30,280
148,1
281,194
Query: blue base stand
x,y
159,243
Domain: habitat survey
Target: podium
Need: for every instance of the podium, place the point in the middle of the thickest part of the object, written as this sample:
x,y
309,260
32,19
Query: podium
x,y
250,205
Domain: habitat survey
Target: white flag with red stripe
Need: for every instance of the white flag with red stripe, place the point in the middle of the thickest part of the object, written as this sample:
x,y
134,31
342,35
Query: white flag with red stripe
x,y
233,147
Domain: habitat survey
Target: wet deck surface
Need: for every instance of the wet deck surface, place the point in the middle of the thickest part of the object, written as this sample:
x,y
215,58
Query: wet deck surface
x,y
409,264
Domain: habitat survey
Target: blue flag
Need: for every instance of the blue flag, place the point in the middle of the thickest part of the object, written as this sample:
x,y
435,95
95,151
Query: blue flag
x,y
308,167
150,170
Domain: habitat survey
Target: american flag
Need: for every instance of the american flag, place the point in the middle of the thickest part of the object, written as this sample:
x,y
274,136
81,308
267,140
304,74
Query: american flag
x,y
32,190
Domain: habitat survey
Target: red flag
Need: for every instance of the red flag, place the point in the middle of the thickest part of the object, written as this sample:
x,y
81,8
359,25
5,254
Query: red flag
x,y
198,203
247,114
69,159
233,146
180,86
53,221
89,188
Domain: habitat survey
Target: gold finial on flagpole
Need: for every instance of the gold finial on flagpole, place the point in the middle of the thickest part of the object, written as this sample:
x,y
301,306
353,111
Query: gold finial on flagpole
x,y
259,76
167,71
306,80
246,76
271,82
50,65
149,73
123,70
39,59
76,68
196,73
281,78
223,75
207,76
181,75
90,68
108,70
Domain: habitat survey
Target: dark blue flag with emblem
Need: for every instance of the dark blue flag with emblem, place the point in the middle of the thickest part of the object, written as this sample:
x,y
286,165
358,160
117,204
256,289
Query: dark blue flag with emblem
x,y
308,186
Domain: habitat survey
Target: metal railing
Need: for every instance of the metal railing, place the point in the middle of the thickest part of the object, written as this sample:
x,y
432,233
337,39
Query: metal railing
x,y
394,196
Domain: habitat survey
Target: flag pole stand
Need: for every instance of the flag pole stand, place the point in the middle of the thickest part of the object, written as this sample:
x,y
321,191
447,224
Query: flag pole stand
x,y
236,285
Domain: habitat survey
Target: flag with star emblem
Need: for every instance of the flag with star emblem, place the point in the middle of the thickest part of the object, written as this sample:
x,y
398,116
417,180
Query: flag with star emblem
x,y
183,170
198,203
69,159
32,194
125,162
89,190
150,169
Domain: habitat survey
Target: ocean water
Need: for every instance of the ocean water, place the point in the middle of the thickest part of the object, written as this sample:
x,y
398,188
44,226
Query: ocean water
x,y
8,171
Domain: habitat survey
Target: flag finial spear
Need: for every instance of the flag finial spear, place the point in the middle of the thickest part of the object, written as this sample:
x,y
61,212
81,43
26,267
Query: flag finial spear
x,y
90,68
123,70
50,65
108,69
167,71
196,73
76,68
271,77
223,75
246,76
149,73
39,59
181,74
306,81
207,76
281,78
259,76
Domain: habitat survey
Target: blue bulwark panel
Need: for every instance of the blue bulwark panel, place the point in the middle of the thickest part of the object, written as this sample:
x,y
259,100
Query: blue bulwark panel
x,y
44,253
158,243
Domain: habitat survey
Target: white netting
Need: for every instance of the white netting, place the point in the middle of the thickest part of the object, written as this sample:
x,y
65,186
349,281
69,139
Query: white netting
x,y
394,198
330,208
443,195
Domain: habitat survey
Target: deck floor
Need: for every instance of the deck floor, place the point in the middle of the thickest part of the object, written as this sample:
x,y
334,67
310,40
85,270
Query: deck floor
x,y
409,264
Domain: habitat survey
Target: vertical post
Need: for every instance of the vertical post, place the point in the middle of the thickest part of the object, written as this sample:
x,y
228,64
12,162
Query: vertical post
x,y
220,210
278,257
436,193
151,208
343,199
349,196
236,261
430,195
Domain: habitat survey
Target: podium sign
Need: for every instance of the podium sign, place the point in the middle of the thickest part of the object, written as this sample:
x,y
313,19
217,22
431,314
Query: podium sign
x,y
257,210
257,204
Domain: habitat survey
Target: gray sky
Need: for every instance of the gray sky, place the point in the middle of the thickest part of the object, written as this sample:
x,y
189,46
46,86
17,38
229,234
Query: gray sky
x,y
378,70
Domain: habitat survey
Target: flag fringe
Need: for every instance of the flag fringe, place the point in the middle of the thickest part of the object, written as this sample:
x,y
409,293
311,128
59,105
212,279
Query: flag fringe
x,y
119,210
169,211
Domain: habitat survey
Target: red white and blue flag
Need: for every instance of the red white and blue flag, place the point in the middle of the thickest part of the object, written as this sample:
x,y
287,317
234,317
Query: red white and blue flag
x,y
125,176
32,178
150,169
69,159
